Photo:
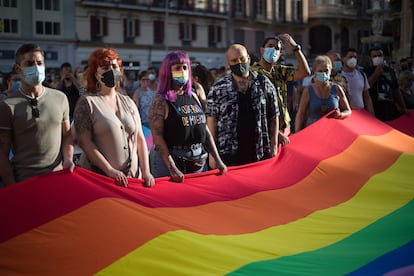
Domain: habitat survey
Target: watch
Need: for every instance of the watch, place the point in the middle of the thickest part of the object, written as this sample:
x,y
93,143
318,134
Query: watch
x,y
297,48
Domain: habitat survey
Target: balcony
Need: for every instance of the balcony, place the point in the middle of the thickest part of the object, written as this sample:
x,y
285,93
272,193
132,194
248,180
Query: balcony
x,y
329,9
194,8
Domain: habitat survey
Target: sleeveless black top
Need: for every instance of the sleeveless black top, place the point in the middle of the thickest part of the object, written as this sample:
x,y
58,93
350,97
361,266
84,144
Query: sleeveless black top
x,y
186,122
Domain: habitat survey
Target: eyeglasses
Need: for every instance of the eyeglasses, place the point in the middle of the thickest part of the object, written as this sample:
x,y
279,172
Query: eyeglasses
x,y
35,110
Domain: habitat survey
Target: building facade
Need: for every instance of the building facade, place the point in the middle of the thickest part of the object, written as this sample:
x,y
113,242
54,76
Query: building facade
x,y
143,31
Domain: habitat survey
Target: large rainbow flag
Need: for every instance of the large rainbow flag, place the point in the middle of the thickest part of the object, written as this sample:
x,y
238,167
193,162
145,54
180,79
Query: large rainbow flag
x,y
337,200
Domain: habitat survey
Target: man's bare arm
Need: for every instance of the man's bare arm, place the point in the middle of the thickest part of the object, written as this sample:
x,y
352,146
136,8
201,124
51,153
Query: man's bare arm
x,y
6,171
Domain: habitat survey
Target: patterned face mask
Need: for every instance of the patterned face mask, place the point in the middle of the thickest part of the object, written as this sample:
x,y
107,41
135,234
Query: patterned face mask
x,y
180,77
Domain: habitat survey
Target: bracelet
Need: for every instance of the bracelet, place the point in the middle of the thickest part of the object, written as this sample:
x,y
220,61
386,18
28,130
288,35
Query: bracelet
x,y
297,48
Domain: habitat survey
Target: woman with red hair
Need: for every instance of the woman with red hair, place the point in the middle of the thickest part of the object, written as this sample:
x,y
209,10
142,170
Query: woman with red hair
x,y
108,125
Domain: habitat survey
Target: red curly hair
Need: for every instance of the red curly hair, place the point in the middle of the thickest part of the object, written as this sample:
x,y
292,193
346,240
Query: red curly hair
x,y
100,57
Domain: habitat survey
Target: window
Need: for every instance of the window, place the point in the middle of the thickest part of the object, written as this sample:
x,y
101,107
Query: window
x,y
297,11
158,32
8,26
260,9
131,29
214,35
8,3
99,26
279,10
49,5
238,8
239,36
188,33
47,28
260,37
185,4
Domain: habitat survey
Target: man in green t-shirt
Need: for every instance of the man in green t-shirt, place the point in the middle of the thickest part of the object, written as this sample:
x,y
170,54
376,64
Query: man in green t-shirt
x,y
34,123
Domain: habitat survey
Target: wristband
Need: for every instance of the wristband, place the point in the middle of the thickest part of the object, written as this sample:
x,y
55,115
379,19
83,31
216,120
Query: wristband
x,y
297,48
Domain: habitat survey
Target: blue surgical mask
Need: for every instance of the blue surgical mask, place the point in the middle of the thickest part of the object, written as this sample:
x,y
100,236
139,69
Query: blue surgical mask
x,y
271,55
16,85
322,76
34,75
337,66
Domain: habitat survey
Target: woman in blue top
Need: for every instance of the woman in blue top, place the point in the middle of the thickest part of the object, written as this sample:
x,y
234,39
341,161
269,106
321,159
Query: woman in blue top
x,y
321,97
178,123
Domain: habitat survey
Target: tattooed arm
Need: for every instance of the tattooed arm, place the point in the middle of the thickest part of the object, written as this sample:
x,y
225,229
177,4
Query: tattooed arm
x,y
83,127
6,171
157,114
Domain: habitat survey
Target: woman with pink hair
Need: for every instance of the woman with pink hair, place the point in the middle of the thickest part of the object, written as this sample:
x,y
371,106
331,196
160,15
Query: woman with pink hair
x,y
181,138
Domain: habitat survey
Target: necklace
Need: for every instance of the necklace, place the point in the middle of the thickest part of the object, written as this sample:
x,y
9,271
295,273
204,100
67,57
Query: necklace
x,y
32,94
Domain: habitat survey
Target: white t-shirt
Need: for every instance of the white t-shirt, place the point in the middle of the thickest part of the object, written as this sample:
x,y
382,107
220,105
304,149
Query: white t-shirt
x,y
357,84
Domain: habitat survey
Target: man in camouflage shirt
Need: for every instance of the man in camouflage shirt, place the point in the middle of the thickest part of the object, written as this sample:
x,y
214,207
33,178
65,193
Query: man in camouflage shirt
x,y
280,74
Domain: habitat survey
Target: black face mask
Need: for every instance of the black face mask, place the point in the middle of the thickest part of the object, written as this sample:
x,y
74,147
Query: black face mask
x,y
111,78
240,69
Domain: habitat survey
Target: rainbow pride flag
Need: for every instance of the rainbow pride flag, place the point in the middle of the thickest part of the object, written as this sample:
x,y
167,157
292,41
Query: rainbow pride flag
x,y
338,200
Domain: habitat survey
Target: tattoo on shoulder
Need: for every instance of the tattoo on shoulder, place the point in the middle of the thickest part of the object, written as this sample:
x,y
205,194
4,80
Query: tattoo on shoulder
x,y
82,119
157,113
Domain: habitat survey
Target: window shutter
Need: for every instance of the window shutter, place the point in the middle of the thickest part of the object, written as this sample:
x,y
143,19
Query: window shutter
x,y
193,32
210,33
218,33
105,26
137,30
233,8
158,31
94,25
125,27
181,30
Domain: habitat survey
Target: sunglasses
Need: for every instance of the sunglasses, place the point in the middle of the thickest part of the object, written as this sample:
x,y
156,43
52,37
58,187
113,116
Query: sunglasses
x,y
35,110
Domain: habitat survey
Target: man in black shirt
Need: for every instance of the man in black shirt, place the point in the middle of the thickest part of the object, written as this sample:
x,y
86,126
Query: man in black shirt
x,y
70,86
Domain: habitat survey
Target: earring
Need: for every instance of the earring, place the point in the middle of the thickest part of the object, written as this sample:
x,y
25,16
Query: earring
x,y
98,86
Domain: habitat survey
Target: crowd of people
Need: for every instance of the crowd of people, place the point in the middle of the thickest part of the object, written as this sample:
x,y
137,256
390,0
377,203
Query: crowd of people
x,y
200,119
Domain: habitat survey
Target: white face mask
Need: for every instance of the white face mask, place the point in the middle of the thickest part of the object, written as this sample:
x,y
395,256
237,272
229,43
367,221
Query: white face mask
x,y
352,62
377,61
151,77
